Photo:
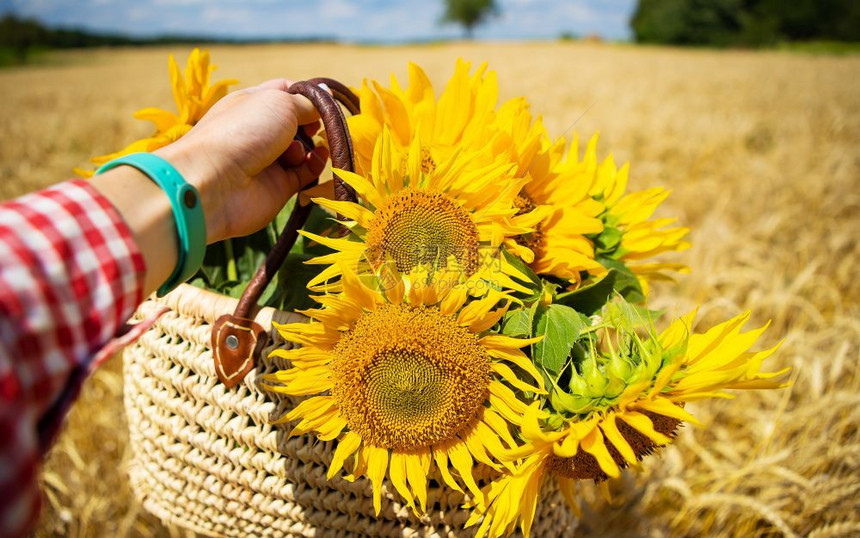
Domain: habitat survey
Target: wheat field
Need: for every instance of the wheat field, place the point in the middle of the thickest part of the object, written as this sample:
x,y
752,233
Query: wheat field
x,y
762,151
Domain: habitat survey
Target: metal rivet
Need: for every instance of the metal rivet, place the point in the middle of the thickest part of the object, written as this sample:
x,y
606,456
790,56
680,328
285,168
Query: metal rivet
x,y
232,341
190,199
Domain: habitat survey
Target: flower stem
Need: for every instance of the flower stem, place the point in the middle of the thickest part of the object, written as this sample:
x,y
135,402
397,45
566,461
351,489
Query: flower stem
x,y
232,273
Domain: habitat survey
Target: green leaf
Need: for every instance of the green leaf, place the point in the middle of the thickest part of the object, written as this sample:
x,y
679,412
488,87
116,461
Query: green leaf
x,y
214,268
560,326
198,281
250,252
517,323
534,283
229,266
630,317
284,215
292,280
536,311
608,240
591,298
234,288
626,283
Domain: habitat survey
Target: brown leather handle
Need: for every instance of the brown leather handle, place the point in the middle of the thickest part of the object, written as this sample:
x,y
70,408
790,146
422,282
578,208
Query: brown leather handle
x,y
236,339
340,92
334,123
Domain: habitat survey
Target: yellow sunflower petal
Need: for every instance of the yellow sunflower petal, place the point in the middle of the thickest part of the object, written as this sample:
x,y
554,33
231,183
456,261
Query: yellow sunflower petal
x,y
349,210
665,407
610,430
346,447
475,445
364,188
462,461
440,455
357,291
330,419
643,425
342,245
395,115
162,119
492,443
506,403
499,426
508,375
377,465
567,487
397,475
395,293
310,408
417,467
453,300
593,444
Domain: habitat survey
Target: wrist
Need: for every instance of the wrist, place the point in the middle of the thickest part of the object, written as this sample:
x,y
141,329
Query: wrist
x,y
199,170
147,212
186,209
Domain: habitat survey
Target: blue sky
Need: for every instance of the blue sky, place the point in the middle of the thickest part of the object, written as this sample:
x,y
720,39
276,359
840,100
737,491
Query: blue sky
x,y
351,20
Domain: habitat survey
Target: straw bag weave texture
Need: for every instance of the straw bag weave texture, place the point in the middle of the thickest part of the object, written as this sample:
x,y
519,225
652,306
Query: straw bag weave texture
x,y
205,457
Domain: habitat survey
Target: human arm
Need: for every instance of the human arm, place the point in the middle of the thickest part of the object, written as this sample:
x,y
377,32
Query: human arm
x,y
76,259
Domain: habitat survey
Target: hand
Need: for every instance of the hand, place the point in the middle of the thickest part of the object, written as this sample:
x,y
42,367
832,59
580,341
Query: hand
x,y
243,160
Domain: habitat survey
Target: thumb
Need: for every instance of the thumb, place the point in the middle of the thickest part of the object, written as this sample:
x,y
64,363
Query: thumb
x,y
305,110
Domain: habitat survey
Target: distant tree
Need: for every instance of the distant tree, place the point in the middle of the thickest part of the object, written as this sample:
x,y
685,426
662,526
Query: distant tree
x,y
687,22
745,22
21,35
469,13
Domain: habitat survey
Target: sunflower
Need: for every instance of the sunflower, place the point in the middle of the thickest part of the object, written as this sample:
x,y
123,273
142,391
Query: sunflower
x,y
194,96
555,200
458,120
454,215
405,378
630,235
622,404
553,204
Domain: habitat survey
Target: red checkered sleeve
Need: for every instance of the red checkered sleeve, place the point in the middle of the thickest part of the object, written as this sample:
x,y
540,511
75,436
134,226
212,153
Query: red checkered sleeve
x,y
70,276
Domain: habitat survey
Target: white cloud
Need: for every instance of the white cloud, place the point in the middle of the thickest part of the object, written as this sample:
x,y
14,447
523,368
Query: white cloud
x,y
338,9
578,12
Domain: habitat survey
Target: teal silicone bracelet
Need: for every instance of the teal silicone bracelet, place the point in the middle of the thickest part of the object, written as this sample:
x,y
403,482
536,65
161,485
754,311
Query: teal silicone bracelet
x,y
187,210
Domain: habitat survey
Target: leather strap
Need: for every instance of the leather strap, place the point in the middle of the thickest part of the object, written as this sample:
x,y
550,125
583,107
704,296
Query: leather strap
x,y
236,339
340,92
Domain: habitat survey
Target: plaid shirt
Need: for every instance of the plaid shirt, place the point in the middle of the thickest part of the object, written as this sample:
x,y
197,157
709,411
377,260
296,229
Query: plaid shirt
x,y
70,276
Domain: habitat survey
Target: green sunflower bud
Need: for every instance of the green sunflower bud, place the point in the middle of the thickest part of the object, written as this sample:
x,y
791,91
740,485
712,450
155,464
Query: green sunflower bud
x,y
620,350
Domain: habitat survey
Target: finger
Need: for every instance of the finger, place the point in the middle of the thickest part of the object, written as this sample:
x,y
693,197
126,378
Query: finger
x,y
311,128
293,156
297,178
305,110
281,84
316,162
309,170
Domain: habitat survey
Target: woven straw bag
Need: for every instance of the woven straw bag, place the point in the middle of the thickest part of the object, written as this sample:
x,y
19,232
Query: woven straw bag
x,y
205,455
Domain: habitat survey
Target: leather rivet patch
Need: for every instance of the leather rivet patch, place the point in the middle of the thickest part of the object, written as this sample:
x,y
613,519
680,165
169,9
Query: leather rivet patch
x,y
236,344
